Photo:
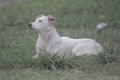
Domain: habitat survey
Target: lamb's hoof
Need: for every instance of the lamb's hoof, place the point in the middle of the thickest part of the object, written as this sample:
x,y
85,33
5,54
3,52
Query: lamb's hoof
x,y
35,57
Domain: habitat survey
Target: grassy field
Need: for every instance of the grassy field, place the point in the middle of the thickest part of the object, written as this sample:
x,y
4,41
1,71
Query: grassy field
x,y
108,72
76,19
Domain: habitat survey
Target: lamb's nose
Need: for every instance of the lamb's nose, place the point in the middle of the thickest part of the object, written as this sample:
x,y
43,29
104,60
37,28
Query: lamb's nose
x,y
29,24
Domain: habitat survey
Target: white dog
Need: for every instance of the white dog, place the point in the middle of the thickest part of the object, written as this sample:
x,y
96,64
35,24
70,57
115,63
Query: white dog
x,y
49,40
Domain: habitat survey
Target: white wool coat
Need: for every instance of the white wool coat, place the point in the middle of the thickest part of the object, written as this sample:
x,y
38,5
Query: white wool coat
x,y
50,42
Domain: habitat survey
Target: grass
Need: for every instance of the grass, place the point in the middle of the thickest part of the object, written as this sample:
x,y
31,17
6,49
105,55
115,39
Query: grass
x,y
76,19
92,72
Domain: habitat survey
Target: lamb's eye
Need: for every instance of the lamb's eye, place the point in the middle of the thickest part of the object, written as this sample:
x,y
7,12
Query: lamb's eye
x,y
40,20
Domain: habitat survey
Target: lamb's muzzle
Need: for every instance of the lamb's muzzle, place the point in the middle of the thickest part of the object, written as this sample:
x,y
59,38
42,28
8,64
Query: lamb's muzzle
x,y
30,24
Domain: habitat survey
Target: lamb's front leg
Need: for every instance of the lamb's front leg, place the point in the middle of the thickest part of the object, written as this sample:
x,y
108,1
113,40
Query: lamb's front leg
x,y
39,48
38,52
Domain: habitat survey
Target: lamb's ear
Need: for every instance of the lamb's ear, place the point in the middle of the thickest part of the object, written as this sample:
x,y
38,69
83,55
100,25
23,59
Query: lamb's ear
x,y
51,19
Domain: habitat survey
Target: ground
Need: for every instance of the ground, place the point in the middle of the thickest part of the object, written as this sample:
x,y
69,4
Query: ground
x,y
106,72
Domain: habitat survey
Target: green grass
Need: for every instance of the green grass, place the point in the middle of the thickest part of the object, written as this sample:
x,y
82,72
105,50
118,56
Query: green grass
x,y
92,72
76,19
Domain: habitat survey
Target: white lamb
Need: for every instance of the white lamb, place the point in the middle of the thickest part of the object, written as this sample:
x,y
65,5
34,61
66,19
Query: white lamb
x,y
50,42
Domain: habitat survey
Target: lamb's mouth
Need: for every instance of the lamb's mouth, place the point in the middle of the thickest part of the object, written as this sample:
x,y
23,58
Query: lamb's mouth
x,y
30,26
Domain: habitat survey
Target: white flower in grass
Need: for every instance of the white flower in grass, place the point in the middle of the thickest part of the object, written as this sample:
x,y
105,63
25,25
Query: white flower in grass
x,y
101,26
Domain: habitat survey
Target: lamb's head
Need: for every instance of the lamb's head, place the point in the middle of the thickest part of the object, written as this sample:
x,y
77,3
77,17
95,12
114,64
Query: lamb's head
x,y
42,23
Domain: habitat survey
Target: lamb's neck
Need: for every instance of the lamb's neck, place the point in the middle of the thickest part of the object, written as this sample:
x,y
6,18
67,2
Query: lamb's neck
x,y
50,35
